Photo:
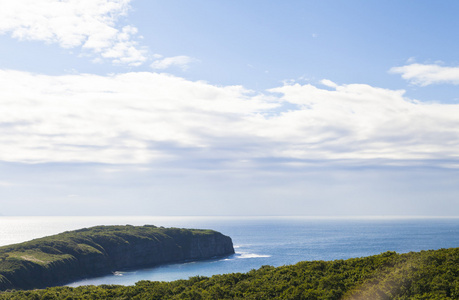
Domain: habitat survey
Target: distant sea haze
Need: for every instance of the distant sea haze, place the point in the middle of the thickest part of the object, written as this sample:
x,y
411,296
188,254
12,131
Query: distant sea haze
x,y
258,241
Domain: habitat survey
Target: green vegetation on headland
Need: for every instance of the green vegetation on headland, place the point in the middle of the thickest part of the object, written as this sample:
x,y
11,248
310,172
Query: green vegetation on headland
x,y
417,275
99,250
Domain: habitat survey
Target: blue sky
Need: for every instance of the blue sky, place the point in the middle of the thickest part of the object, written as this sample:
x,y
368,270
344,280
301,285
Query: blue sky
x,y
320,108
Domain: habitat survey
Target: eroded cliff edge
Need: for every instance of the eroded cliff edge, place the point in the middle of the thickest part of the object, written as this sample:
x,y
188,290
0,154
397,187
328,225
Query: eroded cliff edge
x,y
99,250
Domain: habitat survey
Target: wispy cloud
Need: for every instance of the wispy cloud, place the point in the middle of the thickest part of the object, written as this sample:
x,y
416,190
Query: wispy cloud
x,y
89,24
181,61
423,75
6,184
145,117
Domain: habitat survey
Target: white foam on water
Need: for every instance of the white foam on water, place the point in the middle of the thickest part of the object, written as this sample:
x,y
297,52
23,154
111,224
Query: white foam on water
x,y
250,255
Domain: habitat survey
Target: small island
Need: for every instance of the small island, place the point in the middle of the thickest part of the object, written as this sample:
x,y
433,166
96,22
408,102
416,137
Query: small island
x,y
100,250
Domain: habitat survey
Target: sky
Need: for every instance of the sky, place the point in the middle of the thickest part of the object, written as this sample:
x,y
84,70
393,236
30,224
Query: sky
x,y
237,108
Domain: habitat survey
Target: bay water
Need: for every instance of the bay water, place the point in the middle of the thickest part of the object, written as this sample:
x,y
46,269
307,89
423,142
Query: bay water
x,y
258,241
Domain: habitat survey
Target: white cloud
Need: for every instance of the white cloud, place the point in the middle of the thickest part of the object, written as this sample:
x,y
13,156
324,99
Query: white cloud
x,y
423,75
180,61
328,83
146,117
359,121
90,24
124,118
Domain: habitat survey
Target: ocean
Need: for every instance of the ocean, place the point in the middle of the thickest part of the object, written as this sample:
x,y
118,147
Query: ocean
x,y
258,241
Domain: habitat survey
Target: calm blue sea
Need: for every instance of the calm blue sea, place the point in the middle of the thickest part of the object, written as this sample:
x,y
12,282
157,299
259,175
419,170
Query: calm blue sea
x,y
259,241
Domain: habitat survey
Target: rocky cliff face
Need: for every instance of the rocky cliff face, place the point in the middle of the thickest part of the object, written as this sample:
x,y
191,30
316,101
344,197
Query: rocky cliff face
x,y
104,249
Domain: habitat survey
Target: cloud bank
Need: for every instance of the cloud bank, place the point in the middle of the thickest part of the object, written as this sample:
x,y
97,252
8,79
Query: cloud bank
x,y
144,117
89,24
423,75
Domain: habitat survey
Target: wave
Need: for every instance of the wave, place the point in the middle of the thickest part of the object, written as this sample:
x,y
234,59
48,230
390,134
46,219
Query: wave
x,y
238,255
122,273
250,255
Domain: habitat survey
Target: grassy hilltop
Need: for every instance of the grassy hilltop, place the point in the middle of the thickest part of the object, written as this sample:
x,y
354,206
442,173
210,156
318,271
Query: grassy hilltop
x,y
100,250
415,275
